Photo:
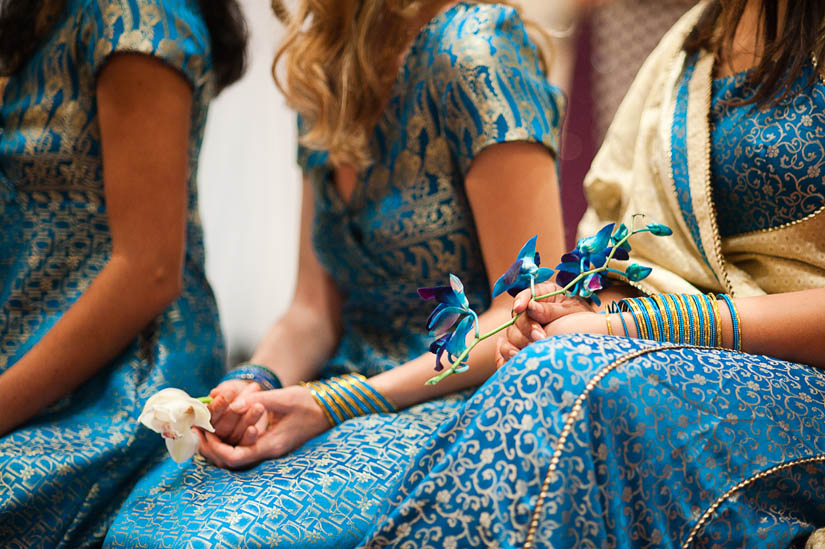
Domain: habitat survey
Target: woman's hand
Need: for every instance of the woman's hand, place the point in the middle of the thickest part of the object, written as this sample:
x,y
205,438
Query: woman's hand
x,y
230,425
530,326
296,419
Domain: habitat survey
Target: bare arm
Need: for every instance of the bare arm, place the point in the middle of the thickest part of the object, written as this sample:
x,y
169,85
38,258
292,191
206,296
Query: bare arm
x,y
505,178
789,326
301,342
144,109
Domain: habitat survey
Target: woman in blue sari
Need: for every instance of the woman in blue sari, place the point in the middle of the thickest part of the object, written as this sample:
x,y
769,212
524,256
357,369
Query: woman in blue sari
x,y
103,298
689,431
421,121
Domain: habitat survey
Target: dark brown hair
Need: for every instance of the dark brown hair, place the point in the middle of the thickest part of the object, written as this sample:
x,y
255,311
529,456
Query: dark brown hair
x,y
786,50
24,23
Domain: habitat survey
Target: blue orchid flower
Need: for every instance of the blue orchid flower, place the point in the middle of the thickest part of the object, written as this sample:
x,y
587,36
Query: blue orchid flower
x,y
451,321
591,252
452,305
524,273
453,343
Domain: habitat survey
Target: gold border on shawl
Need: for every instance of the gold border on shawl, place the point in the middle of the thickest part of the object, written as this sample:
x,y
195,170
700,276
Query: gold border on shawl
x,y
698,153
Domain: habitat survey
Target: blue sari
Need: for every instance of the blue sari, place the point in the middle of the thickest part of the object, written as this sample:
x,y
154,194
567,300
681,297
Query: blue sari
x,y
601,441
472,79
64,474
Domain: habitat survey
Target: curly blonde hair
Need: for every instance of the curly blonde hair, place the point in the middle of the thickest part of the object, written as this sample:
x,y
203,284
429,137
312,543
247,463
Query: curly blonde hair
x,y
341,59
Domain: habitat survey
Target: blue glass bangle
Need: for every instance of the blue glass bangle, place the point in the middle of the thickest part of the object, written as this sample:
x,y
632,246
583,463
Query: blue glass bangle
x,y
734,316
258,373
627,307
646,317
615,309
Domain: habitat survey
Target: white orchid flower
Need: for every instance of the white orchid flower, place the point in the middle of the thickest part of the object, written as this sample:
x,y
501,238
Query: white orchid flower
x,y
173,413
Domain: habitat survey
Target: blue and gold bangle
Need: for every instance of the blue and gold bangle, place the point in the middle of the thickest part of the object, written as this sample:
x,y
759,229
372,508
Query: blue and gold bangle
x,y
615,308
667,319
647,318
675,318
656,318
258,373
734,316
701,318
635,311
346,397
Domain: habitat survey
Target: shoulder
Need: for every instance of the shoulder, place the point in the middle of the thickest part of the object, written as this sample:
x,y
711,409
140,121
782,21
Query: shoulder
x,y
171,30
472,35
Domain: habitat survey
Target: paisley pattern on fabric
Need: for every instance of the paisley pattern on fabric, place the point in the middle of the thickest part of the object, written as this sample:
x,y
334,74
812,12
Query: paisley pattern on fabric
x,y
64,474
657,441
769,165
471,79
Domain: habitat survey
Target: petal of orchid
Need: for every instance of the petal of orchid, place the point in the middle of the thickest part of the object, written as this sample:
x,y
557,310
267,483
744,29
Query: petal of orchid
x,y
443,321
620,233
537,259
183,448
621,254
529,249
439,293
598,259
598,242
569,266
572,257
458,291
507,279
543,274
458,342
563,278
593,282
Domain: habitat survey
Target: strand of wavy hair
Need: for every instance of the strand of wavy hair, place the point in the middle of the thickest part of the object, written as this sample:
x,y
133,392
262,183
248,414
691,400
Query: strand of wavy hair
x,y
340,60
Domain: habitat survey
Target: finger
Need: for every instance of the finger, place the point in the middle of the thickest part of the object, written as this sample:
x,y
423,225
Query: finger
x,y
508,351
250,418
205,449
236,457
500,360
249,436
224,394
521,301
547,312
274,400
516,338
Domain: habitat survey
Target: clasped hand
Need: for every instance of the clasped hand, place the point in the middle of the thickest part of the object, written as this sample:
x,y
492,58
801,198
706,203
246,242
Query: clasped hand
x,y
252,425
556,315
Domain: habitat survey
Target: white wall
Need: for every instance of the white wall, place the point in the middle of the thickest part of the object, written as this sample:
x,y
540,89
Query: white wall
x,y
250,185
250,194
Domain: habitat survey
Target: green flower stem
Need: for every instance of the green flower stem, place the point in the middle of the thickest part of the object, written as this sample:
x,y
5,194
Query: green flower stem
x,y
478,339
205,400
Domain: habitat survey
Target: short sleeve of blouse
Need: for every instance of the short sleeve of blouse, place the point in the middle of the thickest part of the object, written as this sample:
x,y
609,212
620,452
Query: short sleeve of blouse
x,y
170,30
494,89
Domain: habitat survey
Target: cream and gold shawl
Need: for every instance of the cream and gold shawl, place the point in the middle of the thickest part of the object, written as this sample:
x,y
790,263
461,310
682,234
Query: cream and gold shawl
x,y
633,173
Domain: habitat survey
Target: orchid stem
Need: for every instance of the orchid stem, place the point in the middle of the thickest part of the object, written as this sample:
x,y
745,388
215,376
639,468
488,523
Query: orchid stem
x,y
205,400
478,339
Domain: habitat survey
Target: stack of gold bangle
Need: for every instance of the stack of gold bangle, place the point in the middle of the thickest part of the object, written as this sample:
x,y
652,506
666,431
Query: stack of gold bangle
x,y
693,319
346,397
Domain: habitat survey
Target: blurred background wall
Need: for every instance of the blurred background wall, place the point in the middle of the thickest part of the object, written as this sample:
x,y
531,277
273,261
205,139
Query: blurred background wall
x,y
250,184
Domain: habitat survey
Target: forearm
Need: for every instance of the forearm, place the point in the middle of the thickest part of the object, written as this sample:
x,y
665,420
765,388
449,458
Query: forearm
x,y
790,326
297,345
406,384
118,304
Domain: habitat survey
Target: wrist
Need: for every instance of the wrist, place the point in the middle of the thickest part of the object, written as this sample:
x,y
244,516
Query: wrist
x,y
258,373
